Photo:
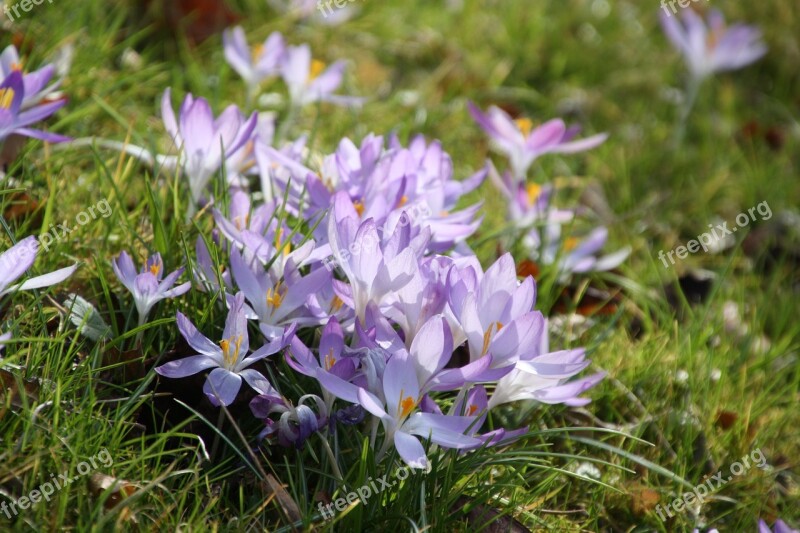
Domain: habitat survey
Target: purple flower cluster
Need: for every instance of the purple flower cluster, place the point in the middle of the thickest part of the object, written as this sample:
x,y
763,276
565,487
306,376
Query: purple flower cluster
x,y
368,246
546,230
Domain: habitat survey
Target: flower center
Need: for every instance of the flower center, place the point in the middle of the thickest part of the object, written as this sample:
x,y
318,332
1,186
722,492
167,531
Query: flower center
x,y
571,243
403,201
406,405
241,222
155,268
525,125
230,356
330,360
336,304
274,296
471,410
534,190
258,51
359,205
6,98
487,337
317,67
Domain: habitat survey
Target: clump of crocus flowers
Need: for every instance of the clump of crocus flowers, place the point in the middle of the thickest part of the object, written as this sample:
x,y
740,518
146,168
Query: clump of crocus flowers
x,y
364,249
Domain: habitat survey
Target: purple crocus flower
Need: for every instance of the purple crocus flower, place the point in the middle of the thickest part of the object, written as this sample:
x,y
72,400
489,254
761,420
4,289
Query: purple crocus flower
x,y
206,143
311,81
711,46
779,527
276,301
376,267
572,254
228,359
543,376
523,143
476,404
15,261
403,423
258,64
495,313
147,287
13,120
296,423
33,82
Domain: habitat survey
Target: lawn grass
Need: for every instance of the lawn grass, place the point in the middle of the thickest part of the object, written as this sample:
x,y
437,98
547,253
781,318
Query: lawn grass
x,y
684,399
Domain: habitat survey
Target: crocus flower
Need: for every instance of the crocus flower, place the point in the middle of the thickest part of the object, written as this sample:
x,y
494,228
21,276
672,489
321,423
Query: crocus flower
x,y
374,266
296,423
311,81
228,359
523,143
276,302
15,261
475,403
496,314
13,120
403,426
35,82
206,143
711,46
543,376
779,527
147,287
258,64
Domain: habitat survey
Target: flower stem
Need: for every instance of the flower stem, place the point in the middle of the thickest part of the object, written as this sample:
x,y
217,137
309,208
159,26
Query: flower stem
x,y
334,464
692,89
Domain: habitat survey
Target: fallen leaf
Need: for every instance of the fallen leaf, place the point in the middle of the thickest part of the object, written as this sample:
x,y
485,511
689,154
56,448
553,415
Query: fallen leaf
x,y
726,419
16,391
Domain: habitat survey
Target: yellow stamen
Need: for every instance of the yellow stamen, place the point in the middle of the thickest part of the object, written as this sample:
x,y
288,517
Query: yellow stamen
x,y
487,337
571,243
258,50
330,360
286,247
525,125
274,297
534,190
6,98
713,37
155,268
336,304
16,67
403,201
406,405
230,356
471,410
241,222
317,67
359,205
